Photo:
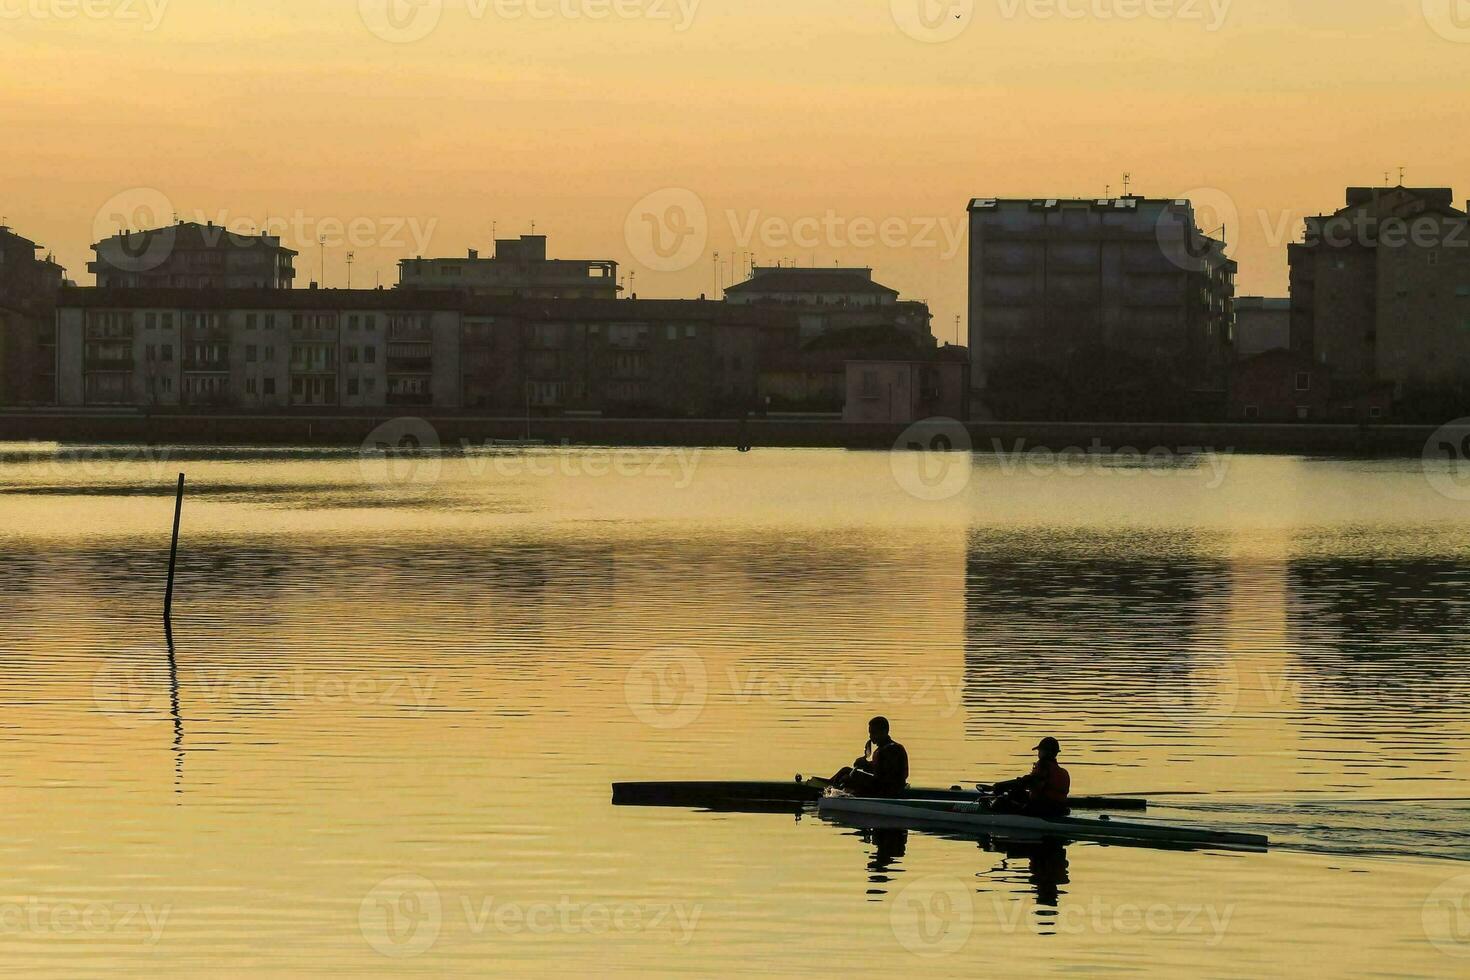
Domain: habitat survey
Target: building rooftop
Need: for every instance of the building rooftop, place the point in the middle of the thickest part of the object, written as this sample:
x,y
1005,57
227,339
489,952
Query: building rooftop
x,y
193,235
798,280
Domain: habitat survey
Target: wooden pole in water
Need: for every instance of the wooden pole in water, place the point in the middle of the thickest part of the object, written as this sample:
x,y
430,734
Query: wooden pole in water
x,y
173,554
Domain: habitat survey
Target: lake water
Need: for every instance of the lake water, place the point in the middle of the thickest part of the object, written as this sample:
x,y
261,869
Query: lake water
x,y
401,689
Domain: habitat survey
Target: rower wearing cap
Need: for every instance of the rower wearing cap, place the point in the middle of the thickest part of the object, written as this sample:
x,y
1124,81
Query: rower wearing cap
x,y
1043,791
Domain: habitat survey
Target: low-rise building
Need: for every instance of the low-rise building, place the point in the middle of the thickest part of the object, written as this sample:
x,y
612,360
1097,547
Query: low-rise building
x,y
905,391
257,349
1262,323
519,268
1281,385
190,255
269,350
828,300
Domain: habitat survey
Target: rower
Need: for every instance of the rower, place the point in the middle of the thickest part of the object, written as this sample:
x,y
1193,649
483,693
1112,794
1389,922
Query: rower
x,y
1040,793
883,768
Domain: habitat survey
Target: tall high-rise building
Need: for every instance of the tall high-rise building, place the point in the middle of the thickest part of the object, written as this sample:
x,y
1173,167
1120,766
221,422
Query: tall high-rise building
x,y
1094,294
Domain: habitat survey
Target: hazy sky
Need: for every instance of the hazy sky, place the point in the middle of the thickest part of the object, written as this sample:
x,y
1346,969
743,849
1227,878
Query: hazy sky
x,y
876,121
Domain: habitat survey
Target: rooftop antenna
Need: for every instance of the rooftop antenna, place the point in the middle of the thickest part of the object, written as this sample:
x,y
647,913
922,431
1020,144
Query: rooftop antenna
x,y
1401,176
1107,190
1386,178
533,228
1127,182
350,257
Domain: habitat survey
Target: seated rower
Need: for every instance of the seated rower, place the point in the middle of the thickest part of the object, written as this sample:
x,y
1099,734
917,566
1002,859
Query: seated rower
x,y
883,769
1040,793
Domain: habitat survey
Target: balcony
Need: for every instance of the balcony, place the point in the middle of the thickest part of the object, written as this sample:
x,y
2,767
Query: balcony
x,y
109,364
410,365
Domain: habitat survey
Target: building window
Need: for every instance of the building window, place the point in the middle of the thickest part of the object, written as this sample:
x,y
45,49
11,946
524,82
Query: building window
x,y
250,352
168,321
352,323
1303,381
370,354
249,321
166,352
1252,411
870,384
270,386
249,386
352,386
369,384
150,321
1303,411
351,358
166,384
690,331
1375,412
148,353
671,332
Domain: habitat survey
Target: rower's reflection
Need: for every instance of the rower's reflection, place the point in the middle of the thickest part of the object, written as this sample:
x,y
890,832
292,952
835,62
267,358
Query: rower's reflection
x,y
1046,865
889,845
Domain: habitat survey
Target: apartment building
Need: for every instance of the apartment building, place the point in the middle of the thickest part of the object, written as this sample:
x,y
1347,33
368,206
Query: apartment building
x,y
1380,289
190,255
270,350
519,268
1130,286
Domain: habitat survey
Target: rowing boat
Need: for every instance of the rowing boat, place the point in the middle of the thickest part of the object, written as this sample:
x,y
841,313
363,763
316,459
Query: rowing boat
x,y
726,794
964,815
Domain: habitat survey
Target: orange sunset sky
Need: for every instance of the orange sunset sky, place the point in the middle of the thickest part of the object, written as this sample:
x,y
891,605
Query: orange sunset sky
x,y
407,130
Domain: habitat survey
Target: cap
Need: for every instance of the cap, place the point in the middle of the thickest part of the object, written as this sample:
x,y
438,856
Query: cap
x,y
1049,743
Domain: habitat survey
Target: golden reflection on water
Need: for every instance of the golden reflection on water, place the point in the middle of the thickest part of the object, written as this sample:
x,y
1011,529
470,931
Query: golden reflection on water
x,y
397,708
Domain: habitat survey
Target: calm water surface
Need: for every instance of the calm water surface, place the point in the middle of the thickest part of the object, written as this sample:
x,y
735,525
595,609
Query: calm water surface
x,y
400,691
